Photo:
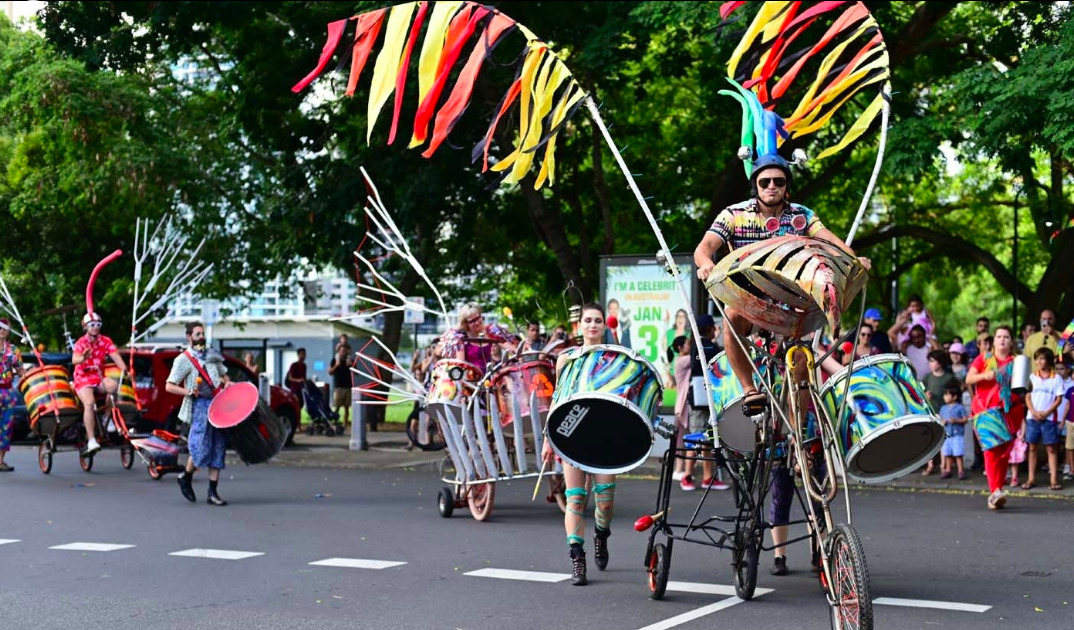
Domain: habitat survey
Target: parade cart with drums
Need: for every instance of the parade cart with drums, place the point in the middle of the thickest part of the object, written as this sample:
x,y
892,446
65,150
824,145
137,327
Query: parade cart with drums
x,y
56,416
492,425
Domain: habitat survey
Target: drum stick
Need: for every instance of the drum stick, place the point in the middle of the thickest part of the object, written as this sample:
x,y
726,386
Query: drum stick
x,y
540,475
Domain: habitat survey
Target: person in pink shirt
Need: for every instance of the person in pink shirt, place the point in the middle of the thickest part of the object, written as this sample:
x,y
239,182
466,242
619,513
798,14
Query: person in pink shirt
x,y
88,357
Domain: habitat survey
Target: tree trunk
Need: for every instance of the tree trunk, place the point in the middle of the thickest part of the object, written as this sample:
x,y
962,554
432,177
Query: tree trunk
x,y
549,226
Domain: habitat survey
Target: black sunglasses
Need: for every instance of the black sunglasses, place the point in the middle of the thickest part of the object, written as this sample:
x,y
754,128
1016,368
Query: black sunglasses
x,y
778,182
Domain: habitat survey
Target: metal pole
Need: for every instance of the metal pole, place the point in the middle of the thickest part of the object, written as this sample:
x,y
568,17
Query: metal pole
x,y
1014,310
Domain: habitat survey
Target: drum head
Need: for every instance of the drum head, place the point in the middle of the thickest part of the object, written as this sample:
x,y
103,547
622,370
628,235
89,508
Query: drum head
x,y
599,434
233,405
895,449
738,432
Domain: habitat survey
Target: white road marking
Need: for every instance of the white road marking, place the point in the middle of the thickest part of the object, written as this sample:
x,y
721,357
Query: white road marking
x,y
709,589
357,563
694,614
81,546
216,554
8,541
509,574
926,603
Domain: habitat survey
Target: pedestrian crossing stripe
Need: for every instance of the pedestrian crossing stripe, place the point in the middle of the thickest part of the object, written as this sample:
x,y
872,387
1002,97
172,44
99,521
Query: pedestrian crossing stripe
x,y
83,546
510,574
216,554
356,563
8,541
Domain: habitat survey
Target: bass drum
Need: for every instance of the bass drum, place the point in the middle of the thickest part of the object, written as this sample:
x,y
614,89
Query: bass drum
x,y
253,430
887,429
50,400
738,432
604,408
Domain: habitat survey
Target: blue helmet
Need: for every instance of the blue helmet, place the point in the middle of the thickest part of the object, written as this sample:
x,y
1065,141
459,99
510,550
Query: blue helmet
x,y
772,160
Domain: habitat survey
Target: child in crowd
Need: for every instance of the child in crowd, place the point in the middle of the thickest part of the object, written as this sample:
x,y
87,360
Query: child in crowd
x,y
1042,423
1068,417
1062,370
957,352
954,418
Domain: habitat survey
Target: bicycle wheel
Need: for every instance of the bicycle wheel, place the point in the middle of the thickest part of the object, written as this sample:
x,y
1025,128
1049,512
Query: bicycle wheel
x,y
853,609
659,567
746,571
435,441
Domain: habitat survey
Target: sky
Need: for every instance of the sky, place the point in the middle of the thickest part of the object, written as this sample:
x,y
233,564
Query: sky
x,y
22,9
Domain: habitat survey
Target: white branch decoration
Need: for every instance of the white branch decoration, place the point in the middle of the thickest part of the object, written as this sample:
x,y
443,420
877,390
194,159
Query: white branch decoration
x,y
387,236
164,248
8,305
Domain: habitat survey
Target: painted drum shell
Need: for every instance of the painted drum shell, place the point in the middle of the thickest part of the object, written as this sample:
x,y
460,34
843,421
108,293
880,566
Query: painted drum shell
x,y
253,429
604,407
887,429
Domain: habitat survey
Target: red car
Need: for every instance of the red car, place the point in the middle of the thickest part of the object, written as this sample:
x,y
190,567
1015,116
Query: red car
x,y
160,410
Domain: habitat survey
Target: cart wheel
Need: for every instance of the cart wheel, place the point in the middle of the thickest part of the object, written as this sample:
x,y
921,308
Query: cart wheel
x,y
481,497
309,430
154,474
445,502
329,432
44,456
746,571
85,462
126,456
853,601
659,566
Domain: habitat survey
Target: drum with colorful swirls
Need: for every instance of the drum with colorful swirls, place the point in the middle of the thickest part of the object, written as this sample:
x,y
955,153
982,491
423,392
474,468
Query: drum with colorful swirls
x,y
603,410
738,432
452,380
991,428
887,428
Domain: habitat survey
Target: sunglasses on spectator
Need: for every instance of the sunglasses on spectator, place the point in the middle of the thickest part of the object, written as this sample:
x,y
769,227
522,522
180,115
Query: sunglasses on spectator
x,y
778,182
864,334
475,319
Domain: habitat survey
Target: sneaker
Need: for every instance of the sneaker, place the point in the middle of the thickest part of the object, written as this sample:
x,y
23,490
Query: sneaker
x,y
779,567
91,447
186,487
962,476
578,566
214,499
600,549
714,484
945,475
677,475
687,484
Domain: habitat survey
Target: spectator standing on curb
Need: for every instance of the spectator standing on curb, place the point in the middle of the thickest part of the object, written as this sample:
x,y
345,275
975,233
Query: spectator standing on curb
x,y
916,348
1046,338
340,370
937,382
1068,401
879,338
251,364
10,367
1042,425
296,376
972,348
954,418
684,348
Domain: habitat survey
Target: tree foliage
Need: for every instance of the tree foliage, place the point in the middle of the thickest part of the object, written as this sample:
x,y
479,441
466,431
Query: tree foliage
x,y
275,176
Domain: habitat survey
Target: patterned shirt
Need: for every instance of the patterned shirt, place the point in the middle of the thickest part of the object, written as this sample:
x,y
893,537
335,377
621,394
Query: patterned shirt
x,y
949,413
184,373
10,360
90,372
742,224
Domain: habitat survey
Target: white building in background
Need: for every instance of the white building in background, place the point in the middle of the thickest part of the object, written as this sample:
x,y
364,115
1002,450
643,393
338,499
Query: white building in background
x,y
275,323
17,10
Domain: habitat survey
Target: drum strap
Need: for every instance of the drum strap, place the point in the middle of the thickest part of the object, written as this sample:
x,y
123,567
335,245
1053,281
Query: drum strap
x,y
201,370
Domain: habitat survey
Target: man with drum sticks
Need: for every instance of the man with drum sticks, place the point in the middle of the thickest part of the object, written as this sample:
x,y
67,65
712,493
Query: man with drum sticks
x,y
767,214
197,375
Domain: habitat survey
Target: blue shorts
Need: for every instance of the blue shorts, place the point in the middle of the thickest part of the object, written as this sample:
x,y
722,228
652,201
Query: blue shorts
x,y
954,446
1043,432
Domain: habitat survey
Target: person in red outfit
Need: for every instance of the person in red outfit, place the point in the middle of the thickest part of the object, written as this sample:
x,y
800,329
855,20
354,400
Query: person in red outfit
x,y
89,355
990,372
